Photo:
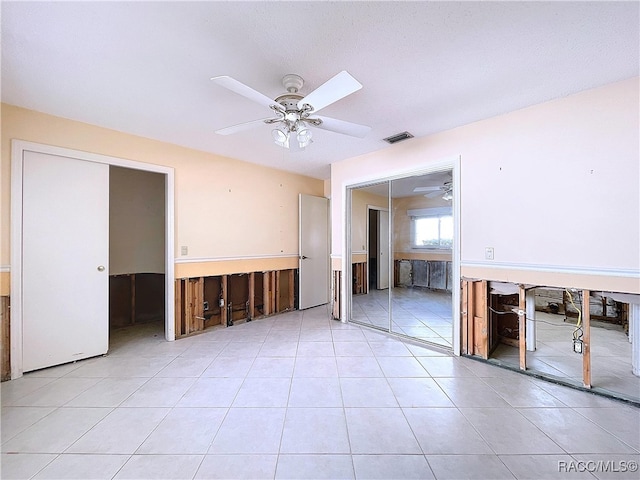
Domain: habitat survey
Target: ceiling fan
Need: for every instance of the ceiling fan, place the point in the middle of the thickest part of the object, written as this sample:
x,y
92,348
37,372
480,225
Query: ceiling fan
x,y
294,112
446,190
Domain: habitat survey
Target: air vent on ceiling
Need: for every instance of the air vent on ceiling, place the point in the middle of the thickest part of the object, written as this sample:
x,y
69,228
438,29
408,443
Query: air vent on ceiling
x,y
398,137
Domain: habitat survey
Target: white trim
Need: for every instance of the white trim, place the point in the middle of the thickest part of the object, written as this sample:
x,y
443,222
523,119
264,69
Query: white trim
x,y
18,147
608,272
5,268
368,234
226,259
457,219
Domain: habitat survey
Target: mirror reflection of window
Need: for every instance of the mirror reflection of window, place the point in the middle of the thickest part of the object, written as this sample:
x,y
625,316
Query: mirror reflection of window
x,y
433,231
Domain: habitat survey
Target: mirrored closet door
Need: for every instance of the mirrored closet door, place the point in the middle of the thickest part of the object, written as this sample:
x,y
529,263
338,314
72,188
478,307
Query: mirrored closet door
x,y
401,256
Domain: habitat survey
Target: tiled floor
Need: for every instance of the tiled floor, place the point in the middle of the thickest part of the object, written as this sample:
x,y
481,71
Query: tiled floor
x,y
416,312
302,396
610,355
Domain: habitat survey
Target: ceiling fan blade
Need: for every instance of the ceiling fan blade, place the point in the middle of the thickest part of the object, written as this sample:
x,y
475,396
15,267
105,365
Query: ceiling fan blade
x,y
241,127
426,189
331,91
434,194
241,89
346,128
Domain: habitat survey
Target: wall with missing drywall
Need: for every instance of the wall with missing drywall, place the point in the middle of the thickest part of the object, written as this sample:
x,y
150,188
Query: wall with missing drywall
x,y
231,215
575,158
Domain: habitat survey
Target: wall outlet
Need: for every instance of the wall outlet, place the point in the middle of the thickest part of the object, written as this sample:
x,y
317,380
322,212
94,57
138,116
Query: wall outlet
x,y
221,303
205,306
184,250
488,253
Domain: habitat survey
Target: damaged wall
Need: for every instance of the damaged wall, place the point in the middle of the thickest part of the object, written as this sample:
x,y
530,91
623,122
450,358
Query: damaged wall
x,y
577,154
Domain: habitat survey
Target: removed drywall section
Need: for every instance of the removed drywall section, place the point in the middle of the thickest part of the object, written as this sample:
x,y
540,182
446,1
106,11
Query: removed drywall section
x,y
136,221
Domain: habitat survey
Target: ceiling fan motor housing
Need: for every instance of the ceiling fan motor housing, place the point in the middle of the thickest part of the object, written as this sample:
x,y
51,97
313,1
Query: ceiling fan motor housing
x,y
292,83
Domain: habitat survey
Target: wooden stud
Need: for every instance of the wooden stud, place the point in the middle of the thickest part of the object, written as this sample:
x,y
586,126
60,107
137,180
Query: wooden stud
x,y
337,293
266,307
471,313
292,301
464,334
522,322
252,295
273,292
586,339
481,321
5,339
179,311
198,319
188,305
189,293
277,292
224,319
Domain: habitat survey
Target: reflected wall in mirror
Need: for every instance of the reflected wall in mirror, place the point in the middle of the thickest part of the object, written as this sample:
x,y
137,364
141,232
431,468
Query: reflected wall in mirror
x,y
370,255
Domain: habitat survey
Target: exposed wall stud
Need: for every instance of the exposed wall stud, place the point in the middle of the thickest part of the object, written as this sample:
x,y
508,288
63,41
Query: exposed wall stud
x,y
586,339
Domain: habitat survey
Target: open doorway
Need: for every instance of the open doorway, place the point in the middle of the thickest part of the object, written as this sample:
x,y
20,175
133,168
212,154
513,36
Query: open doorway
x,y
137,219
378,248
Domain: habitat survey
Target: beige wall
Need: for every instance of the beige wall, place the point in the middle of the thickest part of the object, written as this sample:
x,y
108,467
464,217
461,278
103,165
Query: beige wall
x,y
136,221
575,158
225,209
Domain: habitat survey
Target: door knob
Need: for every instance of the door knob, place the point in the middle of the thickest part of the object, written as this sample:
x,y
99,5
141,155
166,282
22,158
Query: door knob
x,y
101,268
303,257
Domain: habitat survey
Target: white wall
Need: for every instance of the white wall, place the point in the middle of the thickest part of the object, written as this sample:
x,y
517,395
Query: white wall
x,y
576,158
136,221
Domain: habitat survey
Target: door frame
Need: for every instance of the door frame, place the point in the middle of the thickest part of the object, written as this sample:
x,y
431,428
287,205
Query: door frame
x,y
451,163
18,147
379,209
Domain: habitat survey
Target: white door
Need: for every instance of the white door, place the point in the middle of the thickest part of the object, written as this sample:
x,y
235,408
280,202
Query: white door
x,y
383,249
65,248
313,284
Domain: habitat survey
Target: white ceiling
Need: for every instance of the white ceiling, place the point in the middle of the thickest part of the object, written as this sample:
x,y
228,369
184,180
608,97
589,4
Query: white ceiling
x,y
144,67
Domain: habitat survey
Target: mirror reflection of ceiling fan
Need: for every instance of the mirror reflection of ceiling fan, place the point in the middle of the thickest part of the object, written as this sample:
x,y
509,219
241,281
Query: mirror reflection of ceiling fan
x,y
294,112
446,190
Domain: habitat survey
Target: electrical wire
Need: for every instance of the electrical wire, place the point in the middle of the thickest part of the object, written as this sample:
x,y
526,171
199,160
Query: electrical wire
x,y
500,313
577,333
537,320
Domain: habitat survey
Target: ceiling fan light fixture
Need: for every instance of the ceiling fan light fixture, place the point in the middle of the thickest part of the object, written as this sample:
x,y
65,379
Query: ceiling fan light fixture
x,y
304,137
447,195
280,137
